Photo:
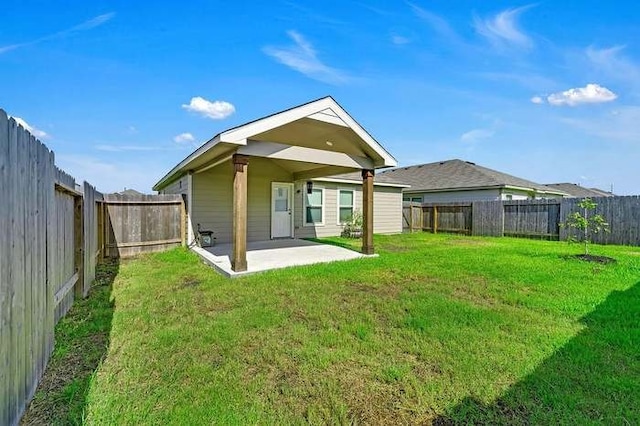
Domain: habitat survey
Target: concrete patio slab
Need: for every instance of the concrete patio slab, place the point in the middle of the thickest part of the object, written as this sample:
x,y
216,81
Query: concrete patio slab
x,y
275,254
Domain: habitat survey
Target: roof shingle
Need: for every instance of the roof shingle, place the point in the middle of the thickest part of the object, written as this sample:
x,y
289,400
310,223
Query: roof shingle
x,y
457,174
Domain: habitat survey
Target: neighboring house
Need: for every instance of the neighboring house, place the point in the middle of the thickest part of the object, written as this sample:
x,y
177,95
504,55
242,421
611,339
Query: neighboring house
x,y
130,192
458,180
275,177
578,191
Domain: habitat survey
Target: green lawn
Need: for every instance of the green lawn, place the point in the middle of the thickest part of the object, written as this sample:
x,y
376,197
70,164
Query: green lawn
x,y
439,328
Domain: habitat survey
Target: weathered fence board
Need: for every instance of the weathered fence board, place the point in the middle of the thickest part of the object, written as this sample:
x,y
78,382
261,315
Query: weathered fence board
x,y
92,218
533,218
487,218
26,314
142,224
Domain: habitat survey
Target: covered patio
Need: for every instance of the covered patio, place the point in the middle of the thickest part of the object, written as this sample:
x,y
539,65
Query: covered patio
x,y
275,254
244,183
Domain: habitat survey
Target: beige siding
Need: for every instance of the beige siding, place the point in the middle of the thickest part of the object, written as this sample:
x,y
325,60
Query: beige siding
x,y
213,199
177,187
450,196
387,209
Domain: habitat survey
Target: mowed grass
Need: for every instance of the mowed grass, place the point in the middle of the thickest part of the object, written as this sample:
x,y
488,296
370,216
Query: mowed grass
x,y
438,329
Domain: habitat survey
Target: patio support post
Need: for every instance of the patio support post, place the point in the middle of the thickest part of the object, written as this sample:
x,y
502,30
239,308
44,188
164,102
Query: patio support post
x,y
239,254
367,211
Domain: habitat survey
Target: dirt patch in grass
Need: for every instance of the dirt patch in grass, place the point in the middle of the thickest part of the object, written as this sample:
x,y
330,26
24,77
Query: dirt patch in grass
x,y
385,290
602,260
190,281
82,339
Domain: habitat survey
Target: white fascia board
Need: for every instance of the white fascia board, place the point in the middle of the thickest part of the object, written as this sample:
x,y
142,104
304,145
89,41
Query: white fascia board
x,y
180,167
473,188
248,130
260,126
540,191
388,160
306,155
358,182
328,118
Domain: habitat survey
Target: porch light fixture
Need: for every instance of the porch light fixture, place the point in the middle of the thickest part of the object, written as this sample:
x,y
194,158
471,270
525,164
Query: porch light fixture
x,y
309,187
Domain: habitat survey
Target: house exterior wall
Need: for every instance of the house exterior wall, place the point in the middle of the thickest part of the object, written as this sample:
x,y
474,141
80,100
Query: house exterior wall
x,y
387,209
212,203
476,195
451,196
213,199
177,187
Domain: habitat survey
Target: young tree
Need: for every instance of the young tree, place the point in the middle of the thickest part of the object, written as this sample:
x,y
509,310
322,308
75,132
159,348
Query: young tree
x,y
582,225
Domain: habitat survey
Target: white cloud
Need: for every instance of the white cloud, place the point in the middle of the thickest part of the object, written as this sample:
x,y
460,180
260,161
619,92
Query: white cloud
x,y
537,100
503,28
303,58
184,138
437,23
614,65
476,135
216,110
87,25
40,134
590,94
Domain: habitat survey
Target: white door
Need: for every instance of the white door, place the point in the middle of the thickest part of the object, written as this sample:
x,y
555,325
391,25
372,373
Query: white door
x,y
281,210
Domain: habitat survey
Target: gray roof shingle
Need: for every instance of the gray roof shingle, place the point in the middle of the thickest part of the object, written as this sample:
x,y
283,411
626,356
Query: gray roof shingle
x,y
457,174
579,191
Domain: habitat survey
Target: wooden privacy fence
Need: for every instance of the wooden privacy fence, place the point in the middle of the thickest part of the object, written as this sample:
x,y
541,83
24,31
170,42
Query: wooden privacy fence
x,y
135,224
525,218
41,261
53,233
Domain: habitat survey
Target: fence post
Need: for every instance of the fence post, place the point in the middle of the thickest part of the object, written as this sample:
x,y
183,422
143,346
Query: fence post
x,y
183,223
100,231
434,220
78,237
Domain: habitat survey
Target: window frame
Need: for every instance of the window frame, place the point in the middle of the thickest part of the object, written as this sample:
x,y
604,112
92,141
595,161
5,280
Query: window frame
x,y
411,199
338,206
304,202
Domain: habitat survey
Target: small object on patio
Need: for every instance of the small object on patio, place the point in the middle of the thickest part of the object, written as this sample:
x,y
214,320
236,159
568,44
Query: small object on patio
x,y
205,238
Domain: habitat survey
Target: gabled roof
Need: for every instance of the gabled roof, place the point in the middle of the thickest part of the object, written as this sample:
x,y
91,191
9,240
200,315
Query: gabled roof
x,y
575,190
457,174
325,112
130,191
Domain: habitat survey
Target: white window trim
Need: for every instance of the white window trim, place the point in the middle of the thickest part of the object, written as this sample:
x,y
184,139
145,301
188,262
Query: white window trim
x,y
353,206
411,197
304,203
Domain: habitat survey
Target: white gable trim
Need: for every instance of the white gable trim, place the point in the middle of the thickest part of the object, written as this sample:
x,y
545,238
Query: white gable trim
x,y
240,134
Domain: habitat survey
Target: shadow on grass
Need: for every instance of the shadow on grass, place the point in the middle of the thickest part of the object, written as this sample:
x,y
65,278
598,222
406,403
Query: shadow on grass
x,y
81,343
339,243
594,378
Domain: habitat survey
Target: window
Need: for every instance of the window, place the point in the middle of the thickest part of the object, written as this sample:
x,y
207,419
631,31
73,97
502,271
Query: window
x,y
346,203
413,199
314,207
509,197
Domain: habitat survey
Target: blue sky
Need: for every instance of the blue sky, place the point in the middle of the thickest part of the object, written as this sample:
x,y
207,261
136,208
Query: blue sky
x,y
122,90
